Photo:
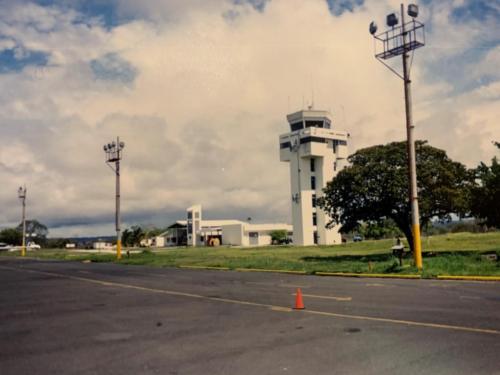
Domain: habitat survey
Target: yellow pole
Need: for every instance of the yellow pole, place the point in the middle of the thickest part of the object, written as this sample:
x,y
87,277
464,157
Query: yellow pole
x,y
23,197
418,247
119,249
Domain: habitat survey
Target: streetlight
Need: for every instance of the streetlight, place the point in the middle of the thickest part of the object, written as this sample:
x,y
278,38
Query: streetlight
x,y
114,152
21,193
399,41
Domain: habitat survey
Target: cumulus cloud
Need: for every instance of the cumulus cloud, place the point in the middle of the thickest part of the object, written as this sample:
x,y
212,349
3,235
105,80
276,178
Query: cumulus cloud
x,y
200,99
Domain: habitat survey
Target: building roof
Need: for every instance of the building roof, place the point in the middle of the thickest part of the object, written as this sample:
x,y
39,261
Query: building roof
x,y
218,223
267,227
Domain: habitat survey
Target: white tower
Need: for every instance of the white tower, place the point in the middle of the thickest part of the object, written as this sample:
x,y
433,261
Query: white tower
x,y
194,225
315,152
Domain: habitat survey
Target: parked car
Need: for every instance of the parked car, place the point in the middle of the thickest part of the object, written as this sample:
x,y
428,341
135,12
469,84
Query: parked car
x,y
357,238
33,246
5,247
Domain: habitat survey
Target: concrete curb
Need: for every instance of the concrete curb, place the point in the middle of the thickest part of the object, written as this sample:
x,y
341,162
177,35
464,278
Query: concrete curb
x,y
469,278
338,274
274,271
368,275
205,268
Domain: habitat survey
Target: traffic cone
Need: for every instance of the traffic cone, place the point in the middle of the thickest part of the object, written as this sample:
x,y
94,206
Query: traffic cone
x,y
299,304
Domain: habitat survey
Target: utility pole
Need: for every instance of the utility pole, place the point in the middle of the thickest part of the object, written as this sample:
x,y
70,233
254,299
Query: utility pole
x,y
114,151
401,40
21,193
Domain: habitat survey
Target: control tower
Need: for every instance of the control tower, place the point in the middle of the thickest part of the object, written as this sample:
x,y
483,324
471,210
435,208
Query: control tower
x,y
315,152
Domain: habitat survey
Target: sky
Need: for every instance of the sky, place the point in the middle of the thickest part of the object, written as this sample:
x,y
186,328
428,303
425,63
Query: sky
x,y
199,91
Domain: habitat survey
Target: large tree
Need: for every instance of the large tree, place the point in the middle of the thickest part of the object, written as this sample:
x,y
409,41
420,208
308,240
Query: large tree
x,y
132,236
375,185
485,196
35,231
11,236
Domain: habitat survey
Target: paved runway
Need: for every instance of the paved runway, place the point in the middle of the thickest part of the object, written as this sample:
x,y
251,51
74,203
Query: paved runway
x,y
75,318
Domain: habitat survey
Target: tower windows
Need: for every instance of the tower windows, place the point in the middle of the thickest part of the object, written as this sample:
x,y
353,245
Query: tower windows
x,y
313,183
315,220
314,124
313,165
314,200
296,126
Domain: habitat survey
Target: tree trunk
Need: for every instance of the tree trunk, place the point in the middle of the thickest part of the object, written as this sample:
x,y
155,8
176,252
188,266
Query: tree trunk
x,y
405,227
409,237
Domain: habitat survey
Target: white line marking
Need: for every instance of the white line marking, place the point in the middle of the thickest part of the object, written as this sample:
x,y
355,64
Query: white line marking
x,y
246,303
325,297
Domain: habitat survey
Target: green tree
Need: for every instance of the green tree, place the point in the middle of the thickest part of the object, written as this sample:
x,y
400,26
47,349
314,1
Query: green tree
x,y
35,231
11,236
278,236
379,229
485,196
132,236
375,187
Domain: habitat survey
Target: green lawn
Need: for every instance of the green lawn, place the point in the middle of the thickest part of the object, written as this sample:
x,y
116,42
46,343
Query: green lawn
x,y
451,254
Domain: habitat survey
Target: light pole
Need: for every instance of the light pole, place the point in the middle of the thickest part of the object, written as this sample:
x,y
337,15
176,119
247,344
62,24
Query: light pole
x,y
21,193
114,152
400,41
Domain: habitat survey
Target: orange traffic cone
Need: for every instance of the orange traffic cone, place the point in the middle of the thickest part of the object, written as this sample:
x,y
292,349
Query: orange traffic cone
x,y
299,304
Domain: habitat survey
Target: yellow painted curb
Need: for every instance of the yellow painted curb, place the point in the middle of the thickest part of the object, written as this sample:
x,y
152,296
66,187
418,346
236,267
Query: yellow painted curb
x,y
264,270
205,268
473,278
374,275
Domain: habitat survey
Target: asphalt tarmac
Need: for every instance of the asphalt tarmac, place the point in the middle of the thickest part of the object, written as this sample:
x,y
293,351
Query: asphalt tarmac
x,y
97,318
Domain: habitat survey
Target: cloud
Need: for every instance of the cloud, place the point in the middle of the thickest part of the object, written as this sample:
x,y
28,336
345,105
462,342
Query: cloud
x,y
112,67
200,99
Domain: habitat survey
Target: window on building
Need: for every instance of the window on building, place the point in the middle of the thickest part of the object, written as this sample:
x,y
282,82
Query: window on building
x,y
314,124
313,183
334,165
253,234
297,126
315,237
196,215
190,215
315,220
313,165
314,200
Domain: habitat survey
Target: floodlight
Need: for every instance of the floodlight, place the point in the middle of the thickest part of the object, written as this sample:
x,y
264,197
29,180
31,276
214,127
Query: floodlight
x,y
113,144
392,20
122,144
105,148
413,10
373,28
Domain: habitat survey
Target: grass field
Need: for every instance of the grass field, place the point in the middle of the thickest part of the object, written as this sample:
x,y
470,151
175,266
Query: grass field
x,y
451,254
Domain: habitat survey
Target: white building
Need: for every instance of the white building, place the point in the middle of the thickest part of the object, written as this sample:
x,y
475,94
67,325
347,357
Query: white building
x,y
102,245
228,232
315,152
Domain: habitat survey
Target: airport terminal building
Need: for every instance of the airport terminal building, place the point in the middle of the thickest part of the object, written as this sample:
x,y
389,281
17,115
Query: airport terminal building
x,y
198,232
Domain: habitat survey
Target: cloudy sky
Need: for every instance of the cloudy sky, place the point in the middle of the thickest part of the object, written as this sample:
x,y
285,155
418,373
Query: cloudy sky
x,y
199,90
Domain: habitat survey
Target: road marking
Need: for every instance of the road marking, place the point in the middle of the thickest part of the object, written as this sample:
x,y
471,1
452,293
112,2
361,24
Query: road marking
x,y
283,309
325,297
470,297
256,304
